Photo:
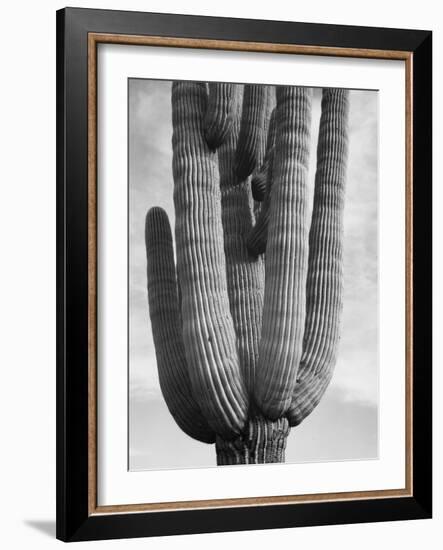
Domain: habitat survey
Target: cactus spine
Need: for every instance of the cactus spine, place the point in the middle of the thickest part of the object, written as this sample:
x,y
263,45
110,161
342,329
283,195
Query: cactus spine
x,y
246,328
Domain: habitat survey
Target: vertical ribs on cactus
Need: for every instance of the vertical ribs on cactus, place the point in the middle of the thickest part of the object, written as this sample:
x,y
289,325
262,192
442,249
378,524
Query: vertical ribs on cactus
x,y
246,324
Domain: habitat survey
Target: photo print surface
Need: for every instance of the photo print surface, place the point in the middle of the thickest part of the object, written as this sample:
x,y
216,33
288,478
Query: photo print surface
x,y
253,274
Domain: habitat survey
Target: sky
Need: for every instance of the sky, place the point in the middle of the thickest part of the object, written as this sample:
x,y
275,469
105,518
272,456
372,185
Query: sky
x,y
344,426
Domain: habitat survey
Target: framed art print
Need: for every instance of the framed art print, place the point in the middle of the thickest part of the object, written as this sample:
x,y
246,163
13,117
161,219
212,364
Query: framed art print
x,y
244,274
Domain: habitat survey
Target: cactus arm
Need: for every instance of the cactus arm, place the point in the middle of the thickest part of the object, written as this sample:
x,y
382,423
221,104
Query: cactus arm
x,y
271,134
262,184
307,395
324,288
166,328
258,184
258,236
262,179
247,154
208,330
219,113
286,257
245,278
269,115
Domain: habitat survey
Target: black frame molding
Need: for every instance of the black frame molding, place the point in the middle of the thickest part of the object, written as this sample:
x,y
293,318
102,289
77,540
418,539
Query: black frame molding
x,y
74,520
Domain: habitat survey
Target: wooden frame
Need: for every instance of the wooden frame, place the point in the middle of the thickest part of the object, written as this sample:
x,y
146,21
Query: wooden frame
x,y
78,33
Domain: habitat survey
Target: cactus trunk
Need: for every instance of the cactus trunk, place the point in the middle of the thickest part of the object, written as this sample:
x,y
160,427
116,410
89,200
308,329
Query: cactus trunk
x,y
262,442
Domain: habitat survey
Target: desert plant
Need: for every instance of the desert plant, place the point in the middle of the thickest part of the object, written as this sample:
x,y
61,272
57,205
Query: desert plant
x,y
246,325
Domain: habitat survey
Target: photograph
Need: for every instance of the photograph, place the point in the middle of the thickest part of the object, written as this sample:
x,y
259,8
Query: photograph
x,y
253,292
244,307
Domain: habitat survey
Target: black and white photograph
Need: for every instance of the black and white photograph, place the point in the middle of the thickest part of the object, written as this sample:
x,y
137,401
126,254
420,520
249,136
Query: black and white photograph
x,y
252,274
221,267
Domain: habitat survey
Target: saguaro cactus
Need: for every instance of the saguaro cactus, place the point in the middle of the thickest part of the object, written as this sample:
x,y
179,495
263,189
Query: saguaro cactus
x,y
246,325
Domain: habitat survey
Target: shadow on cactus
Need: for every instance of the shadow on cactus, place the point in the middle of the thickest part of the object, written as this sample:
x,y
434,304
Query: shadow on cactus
x,y
246,323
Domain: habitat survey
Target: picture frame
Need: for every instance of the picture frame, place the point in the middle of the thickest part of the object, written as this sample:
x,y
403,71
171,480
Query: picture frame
x,y
79,32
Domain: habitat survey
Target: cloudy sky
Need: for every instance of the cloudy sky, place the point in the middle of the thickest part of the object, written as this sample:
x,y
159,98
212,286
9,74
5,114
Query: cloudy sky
x,y
344,425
